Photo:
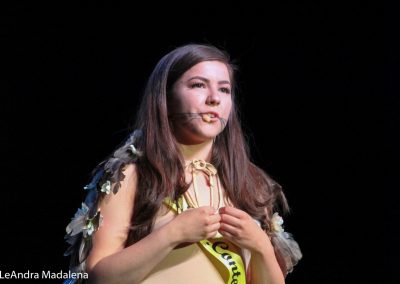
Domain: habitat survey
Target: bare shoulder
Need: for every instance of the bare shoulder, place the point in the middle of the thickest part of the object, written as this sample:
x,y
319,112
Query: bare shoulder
x,y
119,206
130,173
116,209
130,170
128,185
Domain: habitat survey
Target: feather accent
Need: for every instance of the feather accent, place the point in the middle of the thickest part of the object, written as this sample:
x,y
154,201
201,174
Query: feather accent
x,y
84,248
77,223
91,198
80,218
95,180
121,157
135,151
285,246
87,219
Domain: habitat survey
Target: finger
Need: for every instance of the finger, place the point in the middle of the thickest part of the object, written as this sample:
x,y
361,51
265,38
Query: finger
x,y
226,234
211,235
208,210
230,220
215,218
213,228
233,212
229,229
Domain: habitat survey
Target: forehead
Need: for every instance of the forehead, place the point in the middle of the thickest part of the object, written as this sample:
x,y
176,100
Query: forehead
x,y
213,70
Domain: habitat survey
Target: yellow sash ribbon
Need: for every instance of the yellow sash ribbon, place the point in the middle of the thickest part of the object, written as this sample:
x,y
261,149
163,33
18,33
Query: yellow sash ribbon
x,y
222,256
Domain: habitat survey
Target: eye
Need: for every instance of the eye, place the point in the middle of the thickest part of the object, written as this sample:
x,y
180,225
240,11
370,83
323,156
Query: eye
x,y
197,85
225,90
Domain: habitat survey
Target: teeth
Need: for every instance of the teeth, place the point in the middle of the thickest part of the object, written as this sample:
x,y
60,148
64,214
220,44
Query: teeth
x,y
207,117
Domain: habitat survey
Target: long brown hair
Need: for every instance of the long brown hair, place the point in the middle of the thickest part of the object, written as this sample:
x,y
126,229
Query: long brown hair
x,y
160,169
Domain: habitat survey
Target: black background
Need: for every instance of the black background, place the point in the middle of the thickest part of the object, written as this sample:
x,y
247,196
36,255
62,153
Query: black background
x,y
309,98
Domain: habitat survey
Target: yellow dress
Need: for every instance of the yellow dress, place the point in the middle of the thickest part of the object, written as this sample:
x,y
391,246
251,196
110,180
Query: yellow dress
x,y
185,265
192,263
189,264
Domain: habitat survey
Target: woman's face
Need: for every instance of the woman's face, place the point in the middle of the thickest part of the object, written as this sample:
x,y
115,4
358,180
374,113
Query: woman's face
x,y
199,99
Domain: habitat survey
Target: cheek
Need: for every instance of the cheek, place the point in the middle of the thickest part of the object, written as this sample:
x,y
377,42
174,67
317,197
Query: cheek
x,y
228,106
188,103
176,103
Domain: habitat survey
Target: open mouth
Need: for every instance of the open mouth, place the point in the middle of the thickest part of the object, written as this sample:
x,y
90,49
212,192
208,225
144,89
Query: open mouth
x,y
208,117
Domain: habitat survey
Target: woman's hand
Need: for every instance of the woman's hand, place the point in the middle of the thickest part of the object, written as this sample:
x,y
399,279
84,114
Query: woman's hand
x,y
240,228
196,224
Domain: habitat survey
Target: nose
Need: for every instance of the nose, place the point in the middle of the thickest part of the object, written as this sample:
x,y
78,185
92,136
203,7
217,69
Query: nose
x,y
213,98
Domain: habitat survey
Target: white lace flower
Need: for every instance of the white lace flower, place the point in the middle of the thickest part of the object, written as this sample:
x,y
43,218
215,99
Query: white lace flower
x,y
276,223
89,228
106,187
92,224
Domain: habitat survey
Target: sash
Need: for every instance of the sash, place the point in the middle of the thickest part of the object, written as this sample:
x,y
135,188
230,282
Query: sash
x,y
221,256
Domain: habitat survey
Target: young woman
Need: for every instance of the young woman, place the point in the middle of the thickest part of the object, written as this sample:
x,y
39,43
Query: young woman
x,y
181,201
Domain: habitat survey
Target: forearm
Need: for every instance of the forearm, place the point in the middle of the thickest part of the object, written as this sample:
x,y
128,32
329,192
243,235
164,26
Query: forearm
x,y
134,263
264,267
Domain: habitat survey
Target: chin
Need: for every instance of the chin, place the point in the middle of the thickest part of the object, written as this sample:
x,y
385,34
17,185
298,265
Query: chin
x,y
213,132
199,134
202,137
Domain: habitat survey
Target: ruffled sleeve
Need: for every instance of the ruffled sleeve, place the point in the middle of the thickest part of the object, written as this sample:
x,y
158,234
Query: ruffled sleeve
x,y
88,219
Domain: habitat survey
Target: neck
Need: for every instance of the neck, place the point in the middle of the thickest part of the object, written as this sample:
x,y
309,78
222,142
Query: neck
x,y
200,151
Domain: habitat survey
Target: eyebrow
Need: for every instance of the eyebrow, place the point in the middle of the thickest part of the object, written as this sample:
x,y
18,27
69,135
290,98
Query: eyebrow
x,y
206,80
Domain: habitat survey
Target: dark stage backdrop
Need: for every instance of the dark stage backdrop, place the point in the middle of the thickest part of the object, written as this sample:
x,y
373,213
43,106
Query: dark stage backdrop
x,y
72,83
